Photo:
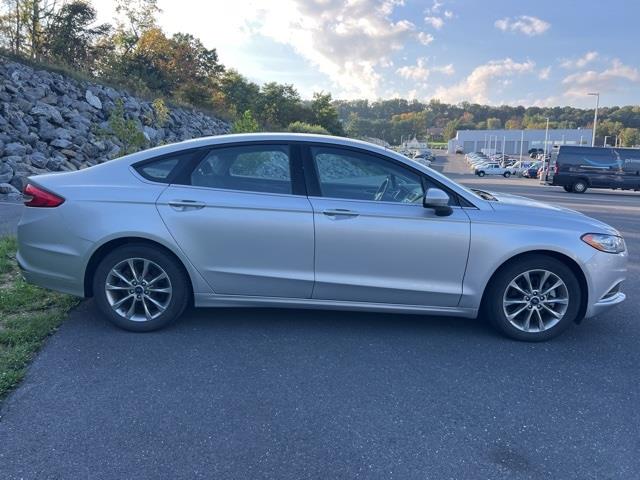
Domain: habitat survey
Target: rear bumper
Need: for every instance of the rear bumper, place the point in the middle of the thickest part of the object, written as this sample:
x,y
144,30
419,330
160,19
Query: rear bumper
x,y
50,280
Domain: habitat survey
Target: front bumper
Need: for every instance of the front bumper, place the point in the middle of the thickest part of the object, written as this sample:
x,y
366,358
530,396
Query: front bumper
x,y
606,273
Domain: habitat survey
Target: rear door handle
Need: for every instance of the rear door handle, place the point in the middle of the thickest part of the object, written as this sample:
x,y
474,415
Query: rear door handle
x,y
184,205
340,212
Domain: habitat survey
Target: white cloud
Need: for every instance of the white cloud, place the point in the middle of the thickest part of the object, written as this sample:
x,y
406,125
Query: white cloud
x,y
448,14
435,22
525,24
425,38
608,80
581,62
347,41
477,86
544,73
420,71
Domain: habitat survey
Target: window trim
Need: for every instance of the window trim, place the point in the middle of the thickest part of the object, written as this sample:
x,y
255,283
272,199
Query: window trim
x,y
180,166
313,179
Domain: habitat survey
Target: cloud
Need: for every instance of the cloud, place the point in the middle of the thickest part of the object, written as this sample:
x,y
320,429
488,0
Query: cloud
x,y
544,73
421,72
525,24
435,22
477,86
581,62
425,38
347,41
608,80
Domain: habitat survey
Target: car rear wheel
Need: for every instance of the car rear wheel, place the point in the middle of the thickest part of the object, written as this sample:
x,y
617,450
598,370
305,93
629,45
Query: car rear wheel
x,y
140,288
481,173
507,174
567,188
579,186
533,299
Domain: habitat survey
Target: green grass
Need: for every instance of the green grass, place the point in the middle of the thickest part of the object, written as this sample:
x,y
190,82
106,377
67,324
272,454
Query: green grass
x,y
28,315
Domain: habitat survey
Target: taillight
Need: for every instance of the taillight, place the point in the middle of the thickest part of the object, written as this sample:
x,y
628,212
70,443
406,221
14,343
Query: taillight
x,y
39,197
555,169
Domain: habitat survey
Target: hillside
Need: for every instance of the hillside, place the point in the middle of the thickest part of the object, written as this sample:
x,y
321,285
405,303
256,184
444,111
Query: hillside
x,y
49,122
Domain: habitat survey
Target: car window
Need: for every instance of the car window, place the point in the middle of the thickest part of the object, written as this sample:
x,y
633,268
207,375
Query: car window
x,y
360,176
254,168
160,170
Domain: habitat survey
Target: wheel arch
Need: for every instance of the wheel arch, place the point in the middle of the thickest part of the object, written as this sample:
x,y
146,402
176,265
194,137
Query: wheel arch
x,y
565,259
109,246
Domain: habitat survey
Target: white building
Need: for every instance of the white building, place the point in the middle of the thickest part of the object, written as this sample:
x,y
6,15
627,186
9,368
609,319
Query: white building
x,y
510,141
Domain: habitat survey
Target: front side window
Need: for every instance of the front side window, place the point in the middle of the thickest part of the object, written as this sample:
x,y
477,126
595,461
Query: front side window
x,y
360,176
254,168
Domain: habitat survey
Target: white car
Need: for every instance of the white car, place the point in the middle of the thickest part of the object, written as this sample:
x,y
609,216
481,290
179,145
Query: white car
x,y
493,169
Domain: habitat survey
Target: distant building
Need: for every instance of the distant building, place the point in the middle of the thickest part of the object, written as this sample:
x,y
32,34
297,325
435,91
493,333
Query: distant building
x,y
508,141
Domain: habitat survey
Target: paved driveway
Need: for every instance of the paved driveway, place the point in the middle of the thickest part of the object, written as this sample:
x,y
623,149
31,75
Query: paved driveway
x,y
310,394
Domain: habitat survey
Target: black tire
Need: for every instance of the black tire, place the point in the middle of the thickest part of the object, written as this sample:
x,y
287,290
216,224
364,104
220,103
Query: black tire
x,y
507,174
567,188
493,310
579,186
177,277
481,173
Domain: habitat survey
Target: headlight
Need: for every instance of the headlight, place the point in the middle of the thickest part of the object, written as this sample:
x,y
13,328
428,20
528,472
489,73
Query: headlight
x,y
605,243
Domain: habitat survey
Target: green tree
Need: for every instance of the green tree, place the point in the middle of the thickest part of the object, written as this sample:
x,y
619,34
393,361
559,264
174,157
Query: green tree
x,y
70,38
125,130
278,105
325,114
239,93
303,127
630,137
245,124
450,130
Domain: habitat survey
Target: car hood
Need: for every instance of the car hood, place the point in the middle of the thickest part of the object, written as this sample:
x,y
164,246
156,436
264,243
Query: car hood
x,y
534,212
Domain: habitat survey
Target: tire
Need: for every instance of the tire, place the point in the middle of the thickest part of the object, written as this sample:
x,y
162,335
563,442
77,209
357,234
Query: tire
x,y
481,173
500,291
579,186
507,174
172,292
567,188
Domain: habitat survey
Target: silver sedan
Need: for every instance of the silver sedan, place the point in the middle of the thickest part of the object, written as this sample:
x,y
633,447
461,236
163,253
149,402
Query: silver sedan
x,y
306,221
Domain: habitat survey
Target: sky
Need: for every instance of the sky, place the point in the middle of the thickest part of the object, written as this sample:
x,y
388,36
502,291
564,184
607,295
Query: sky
x,y
516,52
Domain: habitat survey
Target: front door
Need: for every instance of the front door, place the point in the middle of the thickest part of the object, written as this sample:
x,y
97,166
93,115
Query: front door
x,y
375,242
236,217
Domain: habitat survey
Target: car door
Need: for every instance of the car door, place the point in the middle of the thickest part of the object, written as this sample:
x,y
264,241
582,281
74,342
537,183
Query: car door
x,y
237,215
379,244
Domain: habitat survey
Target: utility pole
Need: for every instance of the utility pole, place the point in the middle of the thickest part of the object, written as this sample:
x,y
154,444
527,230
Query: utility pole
x,y
521,142
595,117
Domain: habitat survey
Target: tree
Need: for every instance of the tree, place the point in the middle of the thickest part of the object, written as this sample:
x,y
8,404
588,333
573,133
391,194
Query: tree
x,y
303,127
450,130
630,137
278,105
239,93
494,123
325,114
245,124
70,39
514,123
125,130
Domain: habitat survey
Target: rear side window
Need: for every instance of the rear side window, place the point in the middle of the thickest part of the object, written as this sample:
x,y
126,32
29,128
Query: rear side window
x,y
253,168
164,168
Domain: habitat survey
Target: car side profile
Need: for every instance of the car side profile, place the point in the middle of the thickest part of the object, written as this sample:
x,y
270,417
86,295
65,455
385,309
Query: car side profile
x,y
310,221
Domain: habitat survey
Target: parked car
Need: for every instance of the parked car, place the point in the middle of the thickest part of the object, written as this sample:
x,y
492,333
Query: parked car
x,y
492,169
298,220
519,168
459,150
579,168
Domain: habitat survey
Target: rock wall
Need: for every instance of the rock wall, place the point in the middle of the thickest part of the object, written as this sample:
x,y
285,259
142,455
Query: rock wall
x,y
49,122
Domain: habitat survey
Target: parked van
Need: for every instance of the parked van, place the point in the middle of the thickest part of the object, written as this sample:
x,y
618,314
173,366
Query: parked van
x,y
579,168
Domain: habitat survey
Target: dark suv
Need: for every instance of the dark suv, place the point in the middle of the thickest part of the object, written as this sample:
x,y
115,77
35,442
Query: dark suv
x,y
579,168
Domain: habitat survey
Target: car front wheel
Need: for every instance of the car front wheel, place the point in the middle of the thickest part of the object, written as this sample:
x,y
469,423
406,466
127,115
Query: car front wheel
x,y
481,173
507,174
579,186
533,299
140,288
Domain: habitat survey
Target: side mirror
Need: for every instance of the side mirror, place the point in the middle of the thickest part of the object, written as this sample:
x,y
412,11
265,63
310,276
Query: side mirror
x,y
438,200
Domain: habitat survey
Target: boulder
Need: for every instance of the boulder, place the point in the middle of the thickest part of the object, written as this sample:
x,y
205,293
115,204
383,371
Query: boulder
x,y
47,111
15,149
93,100
38,159
6,172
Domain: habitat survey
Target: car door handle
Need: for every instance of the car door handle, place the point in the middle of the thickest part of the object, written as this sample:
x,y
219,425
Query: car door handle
x,y
184,205
340,212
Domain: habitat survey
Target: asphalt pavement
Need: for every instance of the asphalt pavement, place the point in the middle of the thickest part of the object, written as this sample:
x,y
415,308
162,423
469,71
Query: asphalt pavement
x,y
296,394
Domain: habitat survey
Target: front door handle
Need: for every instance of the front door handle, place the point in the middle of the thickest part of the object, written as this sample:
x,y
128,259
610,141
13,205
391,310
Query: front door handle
x,y
340,212
184,205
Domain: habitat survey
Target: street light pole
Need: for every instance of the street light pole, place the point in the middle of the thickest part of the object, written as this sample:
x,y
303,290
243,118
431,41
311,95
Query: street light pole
x,y
546,139
521,142
595,117
604,144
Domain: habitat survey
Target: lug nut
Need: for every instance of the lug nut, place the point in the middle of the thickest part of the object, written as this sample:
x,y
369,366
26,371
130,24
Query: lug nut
x,y
529,307
130,291
527,298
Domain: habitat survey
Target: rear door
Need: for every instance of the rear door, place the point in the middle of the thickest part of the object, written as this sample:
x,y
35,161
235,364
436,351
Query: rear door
x,y
375,242
239,217
629,161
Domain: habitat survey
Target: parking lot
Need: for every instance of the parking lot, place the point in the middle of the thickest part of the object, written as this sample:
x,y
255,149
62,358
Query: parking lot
x,y
318,394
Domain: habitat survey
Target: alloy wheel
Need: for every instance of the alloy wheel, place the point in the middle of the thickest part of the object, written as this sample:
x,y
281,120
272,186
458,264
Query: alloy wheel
x,y
138,289
535,301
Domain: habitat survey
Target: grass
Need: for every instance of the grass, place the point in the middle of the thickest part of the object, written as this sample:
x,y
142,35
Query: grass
x,y
28,315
